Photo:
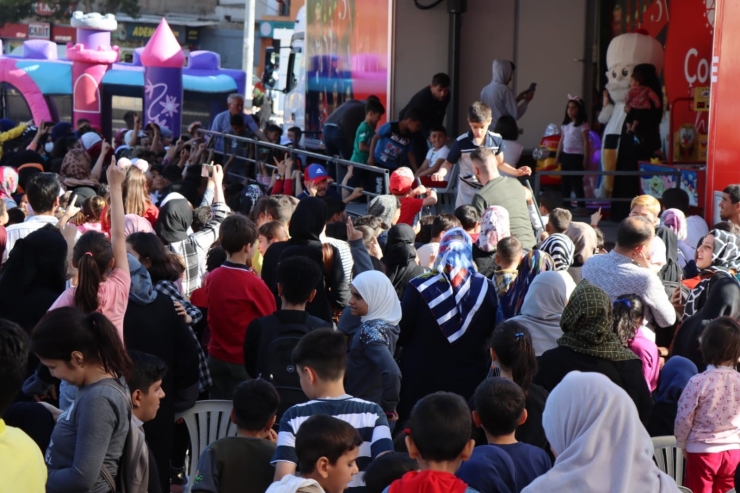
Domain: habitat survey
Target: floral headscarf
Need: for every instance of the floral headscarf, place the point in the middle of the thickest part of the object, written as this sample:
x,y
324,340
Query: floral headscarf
x,y
494,226
8,182
675,220
75,170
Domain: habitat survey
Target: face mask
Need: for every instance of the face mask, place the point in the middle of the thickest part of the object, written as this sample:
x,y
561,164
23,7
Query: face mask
x,y
48,147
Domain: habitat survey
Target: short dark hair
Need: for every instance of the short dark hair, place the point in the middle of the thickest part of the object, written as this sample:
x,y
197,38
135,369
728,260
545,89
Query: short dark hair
x,y
506,127
509,248
559,219
424,235
722,225
215,258
297,132
720,341
479,112
279,207
146,370
441,79
335,206
337,230
274,128
444,222
201,216
372,222
42,191
440,426
324,436
324,351
438,128
128,117
14,347
236,232
551,199
274,230
255,403
500,404
298,276
236,120
15,216
415,114
676,198
374,106
634,231
468,216
381,472
734,192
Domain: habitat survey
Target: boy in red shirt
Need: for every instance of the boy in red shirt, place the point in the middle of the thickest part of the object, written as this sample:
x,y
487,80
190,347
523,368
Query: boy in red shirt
x,y
236,296
401,182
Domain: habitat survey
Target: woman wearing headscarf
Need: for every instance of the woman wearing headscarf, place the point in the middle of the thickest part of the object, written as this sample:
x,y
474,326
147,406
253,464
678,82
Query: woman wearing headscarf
x,y
721,298
543,305
674,377
448,317
494,226
584,238
8,186
589,344
532,264
306,225
399,257
718,255
675,220
77,171
599,442
372,373
173,225
388,209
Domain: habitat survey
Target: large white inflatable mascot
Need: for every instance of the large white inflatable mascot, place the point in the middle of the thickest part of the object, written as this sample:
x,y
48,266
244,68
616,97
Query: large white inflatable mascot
x,y
625,52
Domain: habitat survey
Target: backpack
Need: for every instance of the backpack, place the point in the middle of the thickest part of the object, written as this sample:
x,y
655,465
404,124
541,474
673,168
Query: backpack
x,y
275,362
133,467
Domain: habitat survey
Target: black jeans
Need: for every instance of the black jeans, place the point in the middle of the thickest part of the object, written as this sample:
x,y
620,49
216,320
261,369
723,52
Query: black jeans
x,y
572,162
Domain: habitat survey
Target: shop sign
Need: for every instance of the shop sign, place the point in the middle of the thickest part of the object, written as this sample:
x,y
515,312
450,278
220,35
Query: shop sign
x,y
39,30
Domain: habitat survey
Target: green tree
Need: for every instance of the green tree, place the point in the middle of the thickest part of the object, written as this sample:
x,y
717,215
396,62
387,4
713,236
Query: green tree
x,y
12,11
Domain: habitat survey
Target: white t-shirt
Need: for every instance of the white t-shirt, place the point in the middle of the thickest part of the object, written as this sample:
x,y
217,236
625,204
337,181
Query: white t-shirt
x,y
573,137
512,152
433,155
658,252
696,229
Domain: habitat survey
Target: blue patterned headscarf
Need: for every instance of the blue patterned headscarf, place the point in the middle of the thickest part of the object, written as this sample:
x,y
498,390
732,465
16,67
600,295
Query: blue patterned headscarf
x,y
453,289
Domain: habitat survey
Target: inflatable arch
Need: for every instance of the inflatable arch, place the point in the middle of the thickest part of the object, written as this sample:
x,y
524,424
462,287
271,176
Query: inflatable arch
x,y
17,77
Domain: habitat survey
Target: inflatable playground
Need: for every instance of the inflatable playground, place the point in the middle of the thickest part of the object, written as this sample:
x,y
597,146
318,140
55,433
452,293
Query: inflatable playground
x,y
92,75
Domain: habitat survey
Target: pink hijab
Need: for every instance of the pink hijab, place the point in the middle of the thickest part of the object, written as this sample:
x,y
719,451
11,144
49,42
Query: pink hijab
x,y
136,224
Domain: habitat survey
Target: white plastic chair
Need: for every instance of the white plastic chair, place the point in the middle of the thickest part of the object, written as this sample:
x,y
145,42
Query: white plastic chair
x,y
669,458
447,195
207,421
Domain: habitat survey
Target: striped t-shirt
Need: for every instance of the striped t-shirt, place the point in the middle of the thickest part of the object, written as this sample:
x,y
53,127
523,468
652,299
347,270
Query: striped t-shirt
x,y
367,417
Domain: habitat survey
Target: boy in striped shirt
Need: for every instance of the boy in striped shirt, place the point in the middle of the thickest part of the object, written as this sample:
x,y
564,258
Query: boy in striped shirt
x,y
321,359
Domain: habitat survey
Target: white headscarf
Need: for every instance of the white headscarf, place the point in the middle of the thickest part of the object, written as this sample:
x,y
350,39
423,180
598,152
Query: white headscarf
x,y
380,295
542,306
601,445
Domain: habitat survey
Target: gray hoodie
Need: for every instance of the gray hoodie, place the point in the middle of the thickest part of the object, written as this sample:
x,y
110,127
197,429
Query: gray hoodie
x,y
499,96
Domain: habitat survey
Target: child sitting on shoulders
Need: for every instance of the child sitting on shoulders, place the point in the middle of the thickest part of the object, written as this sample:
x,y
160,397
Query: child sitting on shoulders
x,y
327,450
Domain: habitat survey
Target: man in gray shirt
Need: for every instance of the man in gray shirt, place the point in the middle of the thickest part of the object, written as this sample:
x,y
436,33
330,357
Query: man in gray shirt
x,y
626,270
222,122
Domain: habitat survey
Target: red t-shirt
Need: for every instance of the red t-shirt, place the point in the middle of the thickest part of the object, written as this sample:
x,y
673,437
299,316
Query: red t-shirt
x,y
410,207
236,296
150,214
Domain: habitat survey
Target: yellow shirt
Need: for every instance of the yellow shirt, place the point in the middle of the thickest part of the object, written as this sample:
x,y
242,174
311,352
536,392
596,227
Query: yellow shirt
x,y
257,262
11,134
23,467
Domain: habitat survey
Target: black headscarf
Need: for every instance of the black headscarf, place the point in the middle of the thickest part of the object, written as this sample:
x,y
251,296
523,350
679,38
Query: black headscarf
x,y
307,222
175,217
399,257
24,157
723,300
33,276
671,271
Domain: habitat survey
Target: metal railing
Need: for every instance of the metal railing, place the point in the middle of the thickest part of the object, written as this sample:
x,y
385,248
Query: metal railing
x,y
338,164
538,174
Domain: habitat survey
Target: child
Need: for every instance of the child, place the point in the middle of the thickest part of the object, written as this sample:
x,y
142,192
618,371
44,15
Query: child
x,y
574,150
499,410
270,340
327,449
442,224
479,119
549,200
270,233
435,157
508,256
320,359
558,244
470,220
639,97
241,464
386,469
438,437
374,111
236,296
92,212
401,181
708,418
390,144
629,325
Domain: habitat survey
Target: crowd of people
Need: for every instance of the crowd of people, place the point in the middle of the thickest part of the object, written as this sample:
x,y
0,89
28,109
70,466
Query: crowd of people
x,y
503,347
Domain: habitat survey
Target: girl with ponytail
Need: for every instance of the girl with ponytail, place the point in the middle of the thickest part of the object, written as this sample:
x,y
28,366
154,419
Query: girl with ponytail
x,y
513,353
103,278
629,313
85,351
